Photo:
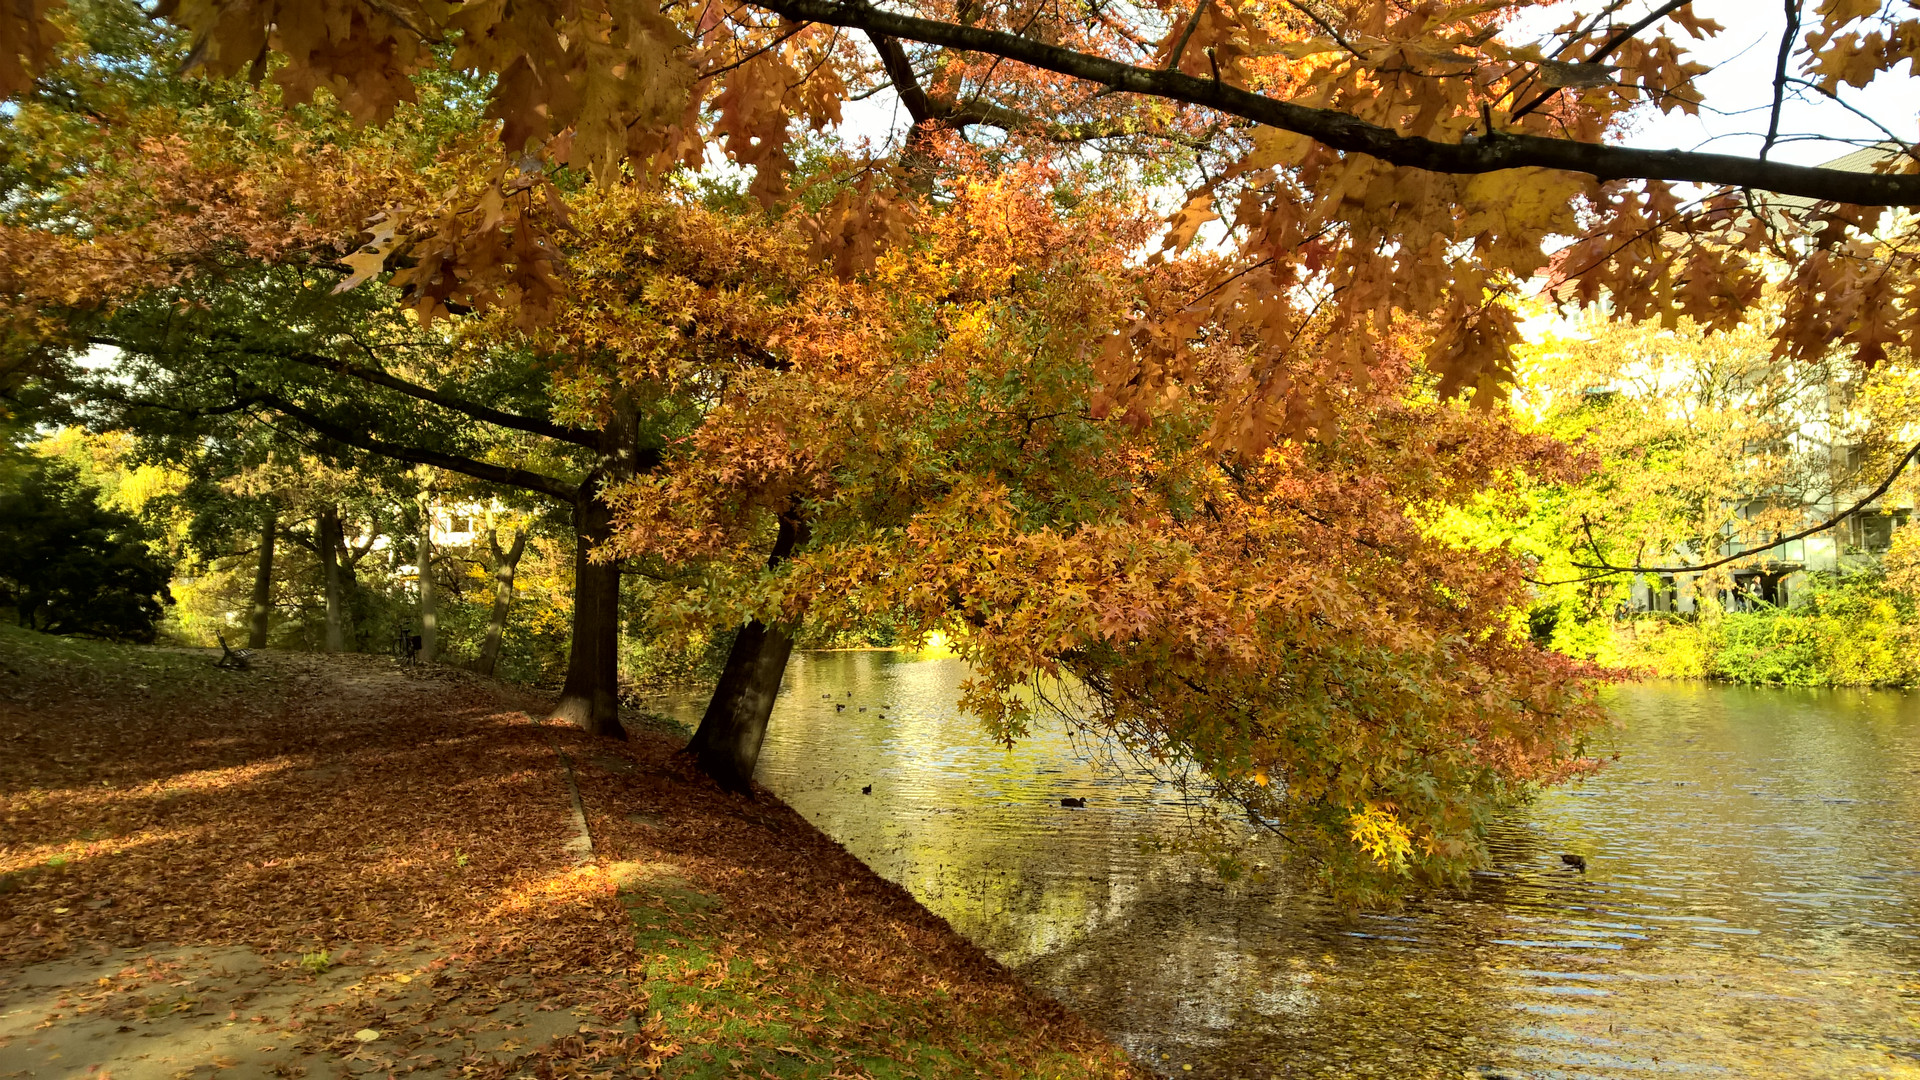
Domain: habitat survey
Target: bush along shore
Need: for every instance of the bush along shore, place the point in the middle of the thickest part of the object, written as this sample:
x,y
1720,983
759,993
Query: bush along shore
x,y
342,866
1854,631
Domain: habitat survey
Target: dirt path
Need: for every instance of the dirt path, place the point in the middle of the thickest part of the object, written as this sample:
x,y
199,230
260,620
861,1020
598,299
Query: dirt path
x,y
339,867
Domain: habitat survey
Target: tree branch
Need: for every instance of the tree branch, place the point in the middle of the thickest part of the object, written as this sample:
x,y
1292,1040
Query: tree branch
x,y
482,413
1011,120
1180,47
479,470
899,70
1898,468
1349,134
1780,76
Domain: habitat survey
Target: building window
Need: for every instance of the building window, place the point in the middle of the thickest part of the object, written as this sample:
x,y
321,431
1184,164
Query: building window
x,y
460,523
1877,532
1870,532
1665,596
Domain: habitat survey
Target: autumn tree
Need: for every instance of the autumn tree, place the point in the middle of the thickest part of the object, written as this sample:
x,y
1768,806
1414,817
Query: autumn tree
x,y
931,452
202,238
271,349
1364,160
1713,457
1381,183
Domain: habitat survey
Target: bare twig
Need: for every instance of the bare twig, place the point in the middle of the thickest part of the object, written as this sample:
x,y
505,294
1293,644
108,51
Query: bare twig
x,y
1780,76
1605,50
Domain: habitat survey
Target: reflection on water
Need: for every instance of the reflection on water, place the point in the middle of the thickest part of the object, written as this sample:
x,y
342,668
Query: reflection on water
x,y
1751,905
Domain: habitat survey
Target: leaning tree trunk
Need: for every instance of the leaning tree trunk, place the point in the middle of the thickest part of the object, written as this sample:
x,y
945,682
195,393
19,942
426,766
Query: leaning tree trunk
x,y
263,583
504,565
591,696
329,544
727,744
429,606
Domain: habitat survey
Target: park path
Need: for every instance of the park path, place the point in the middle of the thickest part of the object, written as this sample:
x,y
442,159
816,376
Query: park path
x,y
339,867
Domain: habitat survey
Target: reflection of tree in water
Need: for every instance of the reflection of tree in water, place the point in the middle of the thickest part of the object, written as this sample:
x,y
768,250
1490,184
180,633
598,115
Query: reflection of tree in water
x,y
1747,913
1272,978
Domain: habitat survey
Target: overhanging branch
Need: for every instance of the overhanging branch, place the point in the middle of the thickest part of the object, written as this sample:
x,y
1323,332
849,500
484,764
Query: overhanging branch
x,y
479,412
1350,134
479,470
1898,468
893,58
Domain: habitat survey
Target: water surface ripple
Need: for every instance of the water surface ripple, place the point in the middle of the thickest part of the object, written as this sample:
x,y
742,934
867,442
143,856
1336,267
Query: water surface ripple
x,y
1751,904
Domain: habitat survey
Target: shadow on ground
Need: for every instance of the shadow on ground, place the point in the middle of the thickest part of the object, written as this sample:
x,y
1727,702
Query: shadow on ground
x,y
336,866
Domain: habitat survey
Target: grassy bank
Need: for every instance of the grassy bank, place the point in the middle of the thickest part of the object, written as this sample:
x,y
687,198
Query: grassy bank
x,y
338,866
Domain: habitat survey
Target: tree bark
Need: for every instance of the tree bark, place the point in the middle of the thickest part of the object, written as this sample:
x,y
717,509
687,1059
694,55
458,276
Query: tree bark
x,y
349,559
263,582
727,744
327,539
591,696
1350,134
429,607
504,565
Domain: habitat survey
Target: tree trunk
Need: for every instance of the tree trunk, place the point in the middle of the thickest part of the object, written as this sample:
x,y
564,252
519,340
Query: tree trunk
x,y
429,608
727,744
350,559
263,583
328,540
504,566
591,696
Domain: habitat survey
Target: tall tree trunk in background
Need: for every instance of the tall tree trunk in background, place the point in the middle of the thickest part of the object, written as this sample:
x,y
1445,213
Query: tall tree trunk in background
x,y
429,609
504,565
591,696
727,744
263,582
350,558
327,539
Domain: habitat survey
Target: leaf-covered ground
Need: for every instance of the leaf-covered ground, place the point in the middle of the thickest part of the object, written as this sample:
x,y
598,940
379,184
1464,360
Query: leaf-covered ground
x,y
340,867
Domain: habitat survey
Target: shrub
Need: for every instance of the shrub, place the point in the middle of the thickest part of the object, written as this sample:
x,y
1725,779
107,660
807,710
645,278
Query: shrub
x,y
69,565
1772,648
1850,631
1670,647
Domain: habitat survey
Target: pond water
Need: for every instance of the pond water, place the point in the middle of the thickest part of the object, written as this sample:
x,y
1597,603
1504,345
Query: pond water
x,y
1750,907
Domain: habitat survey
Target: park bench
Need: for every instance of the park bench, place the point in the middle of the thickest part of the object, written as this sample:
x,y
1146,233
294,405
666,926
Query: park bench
x,y
231,658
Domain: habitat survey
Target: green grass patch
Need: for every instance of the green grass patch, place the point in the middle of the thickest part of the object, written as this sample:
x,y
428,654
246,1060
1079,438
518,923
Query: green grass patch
x,y
730,1012
158,670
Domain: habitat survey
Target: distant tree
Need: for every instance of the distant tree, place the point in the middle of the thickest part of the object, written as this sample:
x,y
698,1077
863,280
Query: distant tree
x,y
1712,450
69,565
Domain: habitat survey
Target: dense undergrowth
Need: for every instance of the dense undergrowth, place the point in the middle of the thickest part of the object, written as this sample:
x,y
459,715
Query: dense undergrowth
x,y
1853,631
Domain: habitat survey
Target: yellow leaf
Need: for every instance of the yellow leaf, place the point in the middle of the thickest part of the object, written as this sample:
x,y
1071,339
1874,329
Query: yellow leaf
x,y
371,259
1183,226
492,208
1273,146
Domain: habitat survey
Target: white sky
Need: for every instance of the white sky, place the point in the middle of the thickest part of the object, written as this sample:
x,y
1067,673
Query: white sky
x,y
1742,56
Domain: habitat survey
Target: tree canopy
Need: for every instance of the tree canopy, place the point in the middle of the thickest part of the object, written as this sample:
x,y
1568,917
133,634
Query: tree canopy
x,y
1363,160
1190,456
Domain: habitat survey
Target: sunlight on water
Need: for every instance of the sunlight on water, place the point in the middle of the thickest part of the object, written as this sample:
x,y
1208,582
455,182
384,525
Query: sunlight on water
x,y
1751,905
